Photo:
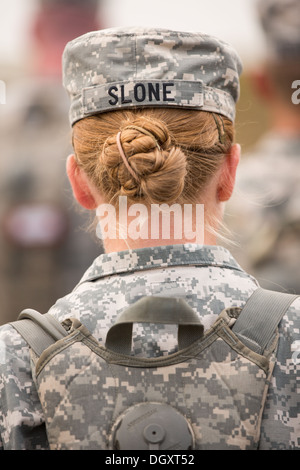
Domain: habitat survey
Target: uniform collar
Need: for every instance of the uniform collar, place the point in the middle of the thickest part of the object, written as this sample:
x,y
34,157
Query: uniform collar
x,y
159,257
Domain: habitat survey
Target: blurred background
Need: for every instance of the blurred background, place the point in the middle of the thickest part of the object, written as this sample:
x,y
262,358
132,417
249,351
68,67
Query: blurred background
x,y
45,241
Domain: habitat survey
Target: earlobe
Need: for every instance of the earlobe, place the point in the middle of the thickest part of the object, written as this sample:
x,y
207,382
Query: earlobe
x,y
228,174
80,184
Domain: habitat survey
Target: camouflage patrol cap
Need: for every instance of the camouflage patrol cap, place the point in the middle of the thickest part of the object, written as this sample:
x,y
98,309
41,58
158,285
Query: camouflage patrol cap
x,y
122,68
280,20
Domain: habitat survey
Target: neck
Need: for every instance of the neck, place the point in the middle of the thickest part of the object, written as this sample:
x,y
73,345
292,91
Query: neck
x,y
111,245
141,227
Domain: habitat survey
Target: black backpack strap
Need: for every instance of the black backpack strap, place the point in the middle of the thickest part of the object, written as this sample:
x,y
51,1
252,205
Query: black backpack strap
x,y
39,330
260,317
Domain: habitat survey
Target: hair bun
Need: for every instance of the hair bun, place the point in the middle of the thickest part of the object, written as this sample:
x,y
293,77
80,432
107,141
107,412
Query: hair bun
x,y
159,166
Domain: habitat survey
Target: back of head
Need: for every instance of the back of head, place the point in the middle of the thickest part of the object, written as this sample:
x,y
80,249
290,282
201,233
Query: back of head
x,y
172,163
152,110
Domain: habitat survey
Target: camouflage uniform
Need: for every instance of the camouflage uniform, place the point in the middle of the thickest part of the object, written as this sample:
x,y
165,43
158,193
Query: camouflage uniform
x,y
264,213
207,277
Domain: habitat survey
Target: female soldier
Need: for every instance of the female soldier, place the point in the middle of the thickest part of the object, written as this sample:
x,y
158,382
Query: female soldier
x,y
152,114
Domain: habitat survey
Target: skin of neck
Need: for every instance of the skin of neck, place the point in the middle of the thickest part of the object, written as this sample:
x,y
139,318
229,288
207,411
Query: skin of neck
x,y
126,229
150,227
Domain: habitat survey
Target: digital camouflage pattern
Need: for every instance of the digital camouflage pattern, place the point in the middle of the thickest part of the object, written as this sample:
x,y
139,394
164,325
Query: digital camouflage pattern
x,y
210,280
127,67
264,213
84,390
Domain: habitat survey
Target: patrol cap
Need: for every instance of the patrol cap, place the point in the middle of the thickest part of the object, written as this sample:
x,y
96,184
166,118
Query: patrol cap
x,y
280,20
122,68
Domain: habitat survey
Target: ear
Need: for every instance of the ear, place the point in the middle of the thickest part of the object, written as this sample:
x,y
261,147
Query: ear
x,y
80,185
228,173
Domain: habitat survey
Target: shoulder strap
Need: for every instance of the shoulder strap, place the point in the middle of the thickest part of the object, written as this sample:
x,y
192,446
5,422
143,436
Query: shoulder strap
x,y
255,325
39,330
260,317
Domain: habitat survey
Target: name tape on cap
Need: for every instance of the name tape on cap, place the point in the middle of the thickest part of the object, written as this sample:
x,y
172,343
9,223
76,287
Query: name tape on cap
x,y
110,96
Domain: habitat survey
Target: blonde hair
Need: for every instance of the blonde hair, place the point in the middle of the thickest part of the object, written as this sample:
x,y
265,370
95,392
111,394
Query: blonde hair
x,y
172,161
